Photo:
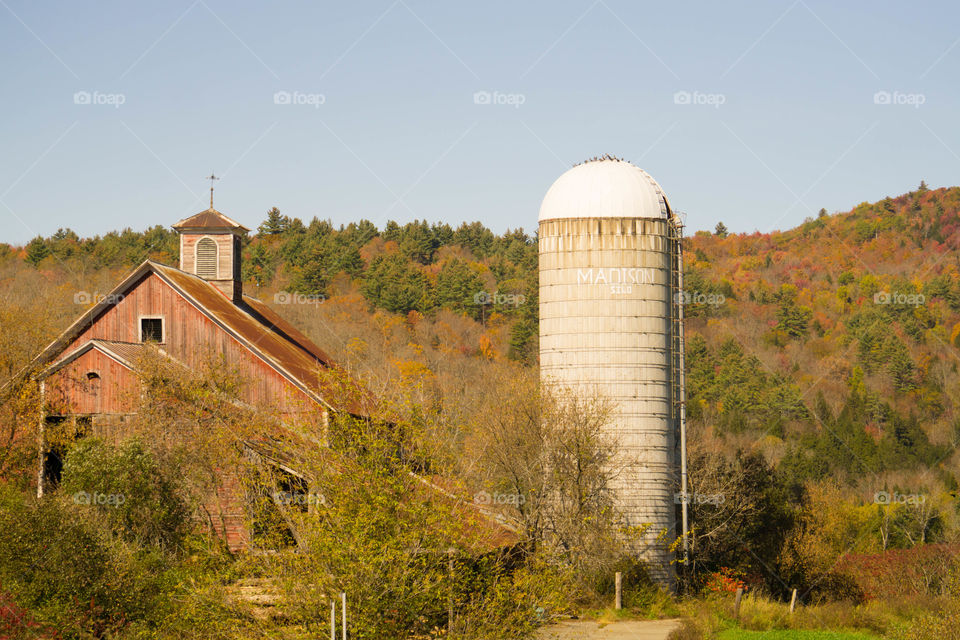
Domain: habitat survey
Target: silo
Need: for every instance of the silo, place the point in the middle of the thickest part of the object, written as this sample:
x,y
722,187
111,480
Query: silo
x,y
609,324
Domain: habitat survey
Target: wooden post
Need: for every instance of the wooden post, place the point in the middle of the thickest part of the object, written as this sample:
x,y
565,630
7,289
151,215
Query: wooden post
x,y
618,602
42,434
793,600
450,592
736,604
343,614
333,620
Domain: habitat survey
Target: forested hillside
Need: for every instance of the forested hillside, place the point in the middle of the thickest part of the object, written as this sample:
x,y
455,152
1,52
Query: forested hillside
x,y
822,360
835,342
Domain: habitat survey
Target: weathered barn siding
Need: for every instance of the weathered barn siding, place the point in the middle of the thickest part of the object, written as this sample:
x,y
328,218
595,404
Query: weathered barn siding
x,y
226,510
71,391
192,338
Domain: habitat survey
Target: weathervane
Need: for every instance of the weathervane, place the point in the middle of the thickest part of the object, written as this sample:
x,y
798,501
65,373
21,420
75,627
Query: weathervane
x,y
211,178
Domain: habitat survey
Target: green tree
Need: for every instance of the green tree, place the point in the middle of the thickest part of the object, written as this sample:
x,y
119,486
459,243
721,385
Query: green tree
x,y
392,284
37,250
257,265
418,243
738,504
476,237
721,230
275,223
458,287
792,319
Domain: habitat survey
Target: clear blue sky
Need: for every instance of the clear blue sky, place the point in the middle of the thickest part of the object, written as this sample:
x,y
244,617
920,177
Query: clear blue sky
x,y
400,135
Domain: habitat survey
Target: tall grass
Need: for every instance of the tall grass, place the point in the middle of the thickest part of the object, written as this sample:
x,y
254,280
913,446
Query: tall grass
x,y
933,618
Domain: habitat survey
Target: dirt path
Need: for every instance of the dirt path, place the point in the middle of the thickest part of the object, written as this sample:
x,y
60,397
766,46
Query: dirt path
x,y
625,630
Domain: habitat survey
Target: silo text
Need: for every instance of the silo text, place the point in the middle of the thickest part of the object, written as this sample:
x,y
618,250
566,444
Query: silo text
x,y
614,275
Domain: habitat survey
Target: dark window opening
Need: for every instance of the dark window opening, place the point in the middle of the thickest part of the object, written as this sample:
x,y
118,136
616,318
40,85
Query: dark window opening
x,y
151,330
93,383
52,468
53,457
274,497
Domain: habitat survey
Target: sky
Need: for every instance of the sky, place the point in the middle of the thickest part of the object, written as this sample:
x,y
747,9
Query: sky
x,y
756,114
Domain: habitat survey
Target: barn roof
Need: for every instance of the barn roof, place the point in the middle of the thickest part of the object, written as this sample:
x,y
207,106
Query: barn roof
x,y
209,219
125,353
250,322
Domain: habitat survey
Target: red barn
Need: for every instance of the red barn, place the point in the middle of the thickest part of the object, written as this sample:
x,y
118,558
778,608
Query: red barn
x,y
191,313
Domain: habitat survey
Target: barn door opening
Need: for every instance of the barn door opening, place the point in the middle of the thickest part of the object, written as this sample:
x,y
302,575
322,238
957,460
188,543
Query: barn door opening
x,y
60,432
53,453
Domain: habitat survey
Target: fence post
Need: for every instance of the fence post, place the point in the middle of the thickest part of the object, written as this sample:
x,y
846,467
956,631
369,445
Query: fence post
x,y
333,620
450,592
793,600
343,598
618,602
736,604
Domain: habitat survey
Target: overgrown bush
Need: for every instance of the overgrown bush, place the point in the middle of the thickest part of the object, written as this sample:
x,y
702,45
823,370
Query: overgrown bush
x,y
405,550
740,519
74,570
69,575
126,485
930,627
15,621
514,603
931,569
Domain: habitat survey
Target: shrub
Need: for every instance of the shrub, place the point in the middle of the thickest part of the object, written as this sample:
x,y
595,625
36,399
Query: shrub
x,y
931,627
127,486
930,569
15,620
726,580
513,603
68,574
401,549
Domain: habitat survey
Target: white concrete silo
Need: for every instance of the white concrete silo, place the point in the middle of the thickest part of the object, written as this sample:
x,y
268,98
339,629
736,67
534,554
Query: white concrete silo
x,y
609,276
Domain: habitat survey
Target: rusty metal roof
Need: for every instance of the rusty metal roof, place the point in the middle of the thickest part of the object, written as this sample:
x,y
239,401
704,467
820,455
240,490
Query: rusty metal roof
x,y
269,336
209,219
125,353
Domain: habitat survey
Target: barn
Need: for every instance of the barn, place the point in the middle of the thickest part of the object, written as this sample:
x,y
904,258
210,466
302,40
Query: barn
x,y
88,379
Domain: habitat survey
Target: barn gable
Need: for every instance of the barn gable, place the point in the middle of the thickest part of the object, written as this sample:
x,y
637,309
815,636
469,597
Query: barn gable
x,y
96,378
194,320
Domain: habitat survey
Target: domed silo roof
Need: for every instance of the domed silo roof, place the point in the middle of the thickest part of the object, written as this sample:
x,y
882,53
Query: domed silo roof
x,y
607,188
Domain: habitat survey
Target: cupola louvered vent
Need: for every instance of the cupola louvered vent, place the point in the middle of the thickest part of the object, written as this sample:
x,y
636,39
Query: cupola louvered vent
x,y
207,259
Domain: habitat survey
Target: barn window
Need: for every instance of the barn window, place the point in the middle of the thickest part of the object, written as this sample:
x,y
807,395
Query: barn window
x,y
93,383
151,329
207,258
